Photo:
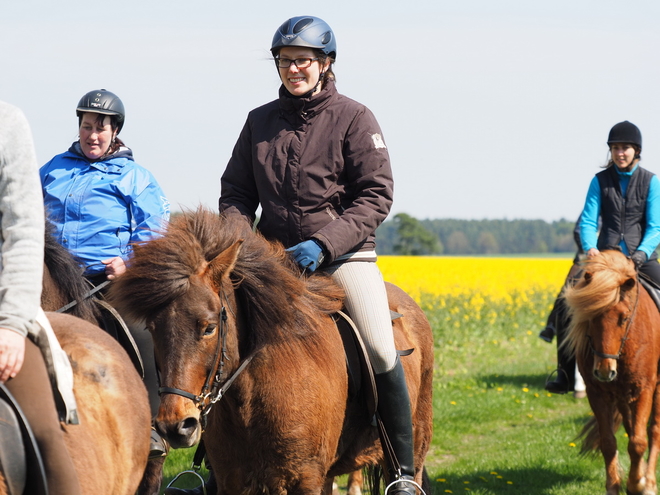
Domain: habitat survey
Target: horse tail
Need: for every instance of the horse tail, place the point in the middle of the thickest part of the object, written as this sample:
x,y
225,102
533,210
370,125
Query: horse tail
x,y
374,476
591,436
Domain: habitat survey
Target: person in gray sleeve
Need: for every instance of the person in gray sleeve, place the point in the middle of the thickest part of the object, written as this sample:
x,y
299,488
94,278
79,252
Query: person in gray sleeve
x,y
22,367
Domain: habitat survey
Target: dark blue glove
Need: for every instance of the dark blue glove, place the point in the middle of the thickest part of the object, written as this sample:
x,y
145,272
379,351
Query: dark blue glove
x,y
308,254
639,258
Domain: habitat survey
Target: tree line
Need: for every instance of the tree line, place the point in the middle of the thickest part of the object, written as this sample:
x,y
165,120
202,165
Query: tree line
x,y
406,235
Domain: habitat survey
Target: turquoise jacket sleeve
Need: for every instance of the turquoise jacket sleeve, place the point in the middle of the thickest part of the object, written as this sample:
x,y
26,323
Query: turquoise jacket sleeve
x,y
651,237
589,217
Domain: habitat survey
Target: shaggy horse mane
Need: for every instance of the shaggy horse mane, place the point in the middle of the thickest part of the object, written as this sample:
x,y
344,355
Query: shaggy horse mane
x,y
600,287
67,272
264,274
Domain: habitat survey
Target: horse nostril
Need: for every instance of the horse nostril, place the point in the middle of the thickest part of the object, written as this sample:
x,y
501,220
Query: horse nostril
x,y
605,377
187,427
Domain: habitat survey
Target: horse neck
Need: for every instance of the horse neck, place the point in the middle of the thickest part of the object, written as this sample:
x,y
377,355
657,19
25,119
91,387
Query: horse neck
x,y
58,293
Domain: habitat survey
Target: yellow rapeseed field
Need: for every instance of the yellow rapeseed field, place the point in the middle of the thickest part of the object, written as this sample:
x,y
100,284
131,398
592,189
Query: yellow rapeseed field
x,y
478,294
493,301
495,279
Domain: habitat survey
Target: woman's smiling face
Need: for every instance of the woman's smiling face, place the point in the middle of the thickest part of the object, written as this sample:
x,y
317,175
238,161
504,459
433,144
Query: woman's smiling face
x,y
95,136
623,155
296,80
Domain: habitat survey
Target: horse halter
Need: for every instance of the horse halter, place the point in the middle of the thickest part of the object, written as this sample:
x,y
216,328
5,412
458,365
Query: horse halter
x,y
212,391
625,335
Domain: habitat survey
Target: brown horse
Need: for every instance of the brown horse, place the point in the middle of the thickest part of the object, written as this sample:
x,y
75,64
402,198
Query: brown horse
x,y
615,335
225,306
120,404
110,446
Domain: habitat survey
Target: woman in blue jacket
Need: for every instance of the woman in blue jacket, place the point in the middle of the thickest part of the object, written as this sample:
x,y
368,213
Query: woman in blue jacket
x,y
101,203
626,197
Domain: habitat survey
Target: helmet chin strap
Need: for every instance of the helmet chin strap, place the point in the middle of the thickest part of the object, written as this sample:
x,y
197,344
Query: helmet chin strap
x,y
313,90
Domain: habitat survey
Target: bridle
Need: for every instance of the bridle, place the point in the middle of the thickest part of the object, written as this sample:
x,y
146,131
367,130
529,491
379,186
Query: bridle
x,y
212,391
625,335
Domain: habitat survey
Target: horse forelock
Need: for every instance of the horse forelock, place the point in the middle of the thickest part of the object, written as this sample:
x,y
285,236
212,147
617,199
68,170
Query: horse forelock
x,y
263,274
597,291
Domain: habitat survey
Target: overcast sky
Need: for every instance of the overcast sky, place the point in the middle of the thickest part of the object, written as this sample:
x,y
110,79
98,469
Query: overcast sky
x,y
489,109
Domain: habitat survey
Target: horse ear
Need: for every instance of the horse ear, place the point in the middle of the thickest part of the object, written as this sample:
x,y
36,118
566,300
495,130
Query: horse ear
x,y
223,264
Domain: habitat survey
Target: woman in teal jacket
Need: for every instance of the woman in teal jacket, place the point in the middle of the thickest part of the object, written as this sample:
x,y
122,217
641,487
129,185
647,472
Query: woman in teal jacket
x,y
101,201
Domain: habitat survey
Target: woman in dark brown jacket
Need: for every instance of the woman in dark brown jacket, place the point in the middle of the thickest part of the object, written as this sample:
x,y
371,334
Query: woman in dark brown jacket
x,y
317,164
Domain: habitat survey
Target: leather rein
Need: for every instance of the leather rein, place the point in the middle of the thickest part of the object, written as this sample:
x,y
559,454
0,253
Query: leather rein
x,y
625,335
87,295
212,391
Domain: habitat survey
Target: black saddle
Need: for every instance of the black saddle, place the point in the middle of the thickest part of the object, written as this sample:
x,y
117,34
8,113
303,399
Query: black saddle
x,y
20,460
361,382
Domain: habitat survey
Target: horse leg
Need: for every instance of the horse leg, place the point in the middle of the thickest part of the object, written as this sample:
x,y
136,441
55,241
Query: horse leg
x,y
654,447
604,412
354,485
638,442
330,487
152,477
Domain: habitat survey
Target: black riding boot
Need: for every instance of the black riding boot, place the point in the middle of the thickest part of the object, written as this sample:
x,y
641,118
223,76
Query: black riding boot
x,y
395,414
211,488
550,330
564,381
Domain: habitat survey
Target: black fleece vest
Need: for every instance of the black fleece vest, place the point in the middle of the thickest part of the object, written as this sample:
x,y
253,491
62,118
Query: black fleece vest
x,y
624,219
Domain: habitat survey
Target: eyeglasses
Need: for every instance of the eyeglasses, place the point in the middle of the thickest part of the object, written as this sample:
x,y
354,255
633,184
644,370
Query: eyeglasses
x,y
300,63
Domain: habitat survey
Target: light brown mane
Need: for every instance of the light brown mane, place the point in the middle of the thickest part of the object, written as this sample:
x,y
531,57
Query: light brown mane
x,y
264,273
598,289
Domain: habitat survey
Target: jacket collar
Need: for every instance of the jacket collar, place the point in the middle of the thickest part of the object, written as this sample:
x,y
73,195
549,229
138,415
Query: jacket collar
x,y
108,163
626,174
294,108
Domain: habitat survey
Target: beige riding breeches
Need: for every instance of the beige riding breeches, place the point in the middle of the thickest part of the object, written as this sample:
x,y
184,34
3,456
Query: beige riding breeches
x,y
366,302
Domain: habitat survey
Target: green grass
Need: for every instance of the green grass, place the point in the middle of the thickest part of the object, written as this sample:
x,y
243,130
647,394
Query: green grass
x,y
496,430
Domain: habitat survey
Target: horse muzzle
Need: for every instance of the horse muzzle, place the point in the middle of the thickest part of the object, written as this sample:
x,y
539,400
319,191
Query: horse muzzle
x,y
182,429
605,370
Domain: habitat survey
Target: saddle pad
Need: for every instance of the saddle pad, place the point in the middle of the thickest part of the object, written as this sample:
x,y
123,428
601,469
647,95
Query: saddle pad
x,y
360,373
652,289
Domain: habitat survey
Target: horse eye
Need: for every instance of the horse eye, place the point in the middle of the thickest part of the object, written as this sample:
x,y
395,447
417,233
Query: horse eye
x,y
210,329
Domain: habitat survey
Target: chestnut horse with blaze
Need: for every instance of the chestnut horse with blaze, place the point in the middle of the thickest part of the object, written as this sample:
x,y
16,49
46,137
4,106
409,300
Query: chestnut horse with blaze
x,y
615,335
250,356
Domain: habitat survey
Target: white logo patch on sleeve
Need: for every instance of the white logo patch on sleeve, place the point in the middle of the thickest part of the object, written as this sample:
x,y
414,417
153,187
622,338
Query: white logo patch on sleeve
x,y
378,141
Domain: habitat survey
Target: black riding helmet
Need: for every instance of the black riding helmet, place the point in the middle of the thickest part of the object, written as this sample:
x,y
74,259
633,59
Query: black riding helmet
x,y
625,132
104,102
307,31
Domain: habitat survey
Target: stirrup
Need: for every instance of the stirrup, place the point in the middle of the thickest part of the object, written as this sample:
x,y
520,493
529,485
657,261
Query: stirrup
x,y
189,471
404,480
567,387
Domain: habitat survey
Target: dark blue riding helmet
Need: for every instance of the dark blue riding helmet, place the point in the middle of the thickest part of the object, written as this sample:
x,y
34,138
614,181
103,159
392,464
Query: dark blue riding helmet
x,y
307,31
